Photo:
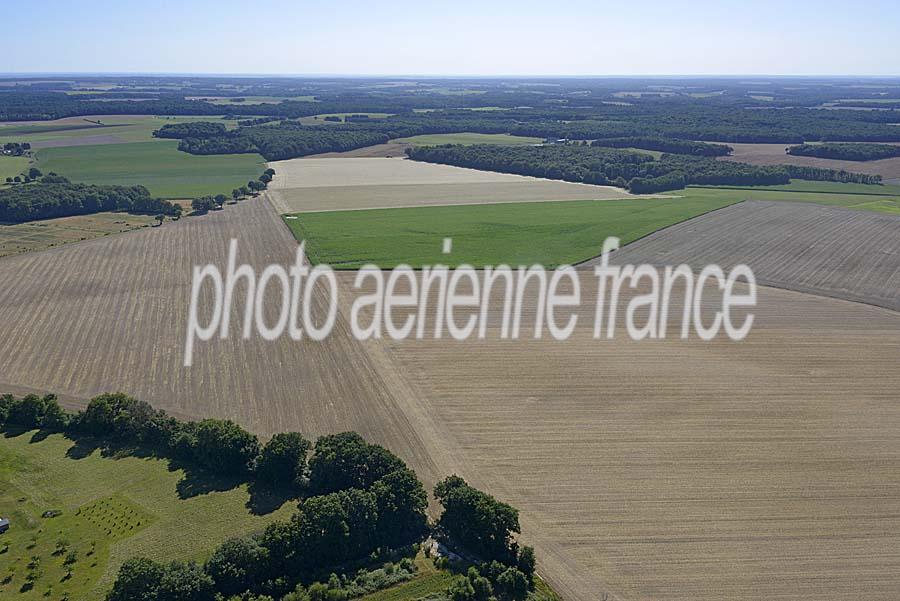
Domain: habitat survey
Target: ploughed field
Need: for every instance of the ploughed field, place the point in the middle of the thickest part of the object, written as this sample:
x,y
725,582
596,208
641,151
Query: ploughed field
x,y
774,154
768,468
831,251
341,183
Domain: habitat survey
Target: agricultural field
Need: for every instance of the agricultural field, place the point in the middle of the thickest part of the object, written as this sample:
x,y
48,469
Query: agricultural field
x,y
626,459
93,129
468,139
158,165
687,470
879,199
99,301
774,154
320,119
40,235
244,100
112,508
828,251
11,167
550,233
364,183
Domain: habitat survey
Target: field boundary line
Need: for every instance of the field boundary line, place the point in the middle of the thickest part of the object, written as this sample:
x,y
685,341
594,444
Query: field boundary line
x,y
662,229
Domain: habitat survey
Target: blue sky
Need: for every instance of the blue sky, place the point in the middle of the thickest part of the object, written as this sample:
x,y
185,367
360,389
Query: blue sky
x,y
461,37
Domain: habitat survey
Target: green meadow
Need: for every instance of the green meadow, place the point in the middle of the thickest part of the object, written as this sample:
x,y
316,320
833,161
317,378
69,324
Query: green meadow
x,y
111,508
158,165
550,233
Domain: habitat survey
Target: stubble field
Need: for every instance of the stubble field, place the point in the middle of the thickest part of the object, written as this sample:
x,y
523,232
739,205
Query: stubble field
x,y
676,470
366,183
830,251
773,154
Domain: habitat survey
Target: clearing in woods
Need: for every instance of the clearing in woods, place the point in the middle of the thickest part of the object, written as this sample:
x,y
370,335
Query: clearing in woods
x,y
469,138
774,154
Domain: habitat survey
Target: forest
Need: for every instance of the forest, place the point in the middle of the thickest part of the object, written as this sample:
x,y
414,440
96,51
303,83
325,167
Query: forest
x,y
637,172
846,152
57,197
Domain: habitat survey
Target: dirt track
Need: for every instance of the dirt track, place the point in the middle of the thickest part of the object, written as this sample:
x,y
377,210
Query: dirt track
x,y
655,470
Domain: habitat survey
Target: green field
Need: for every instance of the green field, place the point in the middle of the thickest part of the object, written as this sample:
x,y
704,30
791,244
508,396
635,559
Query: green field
x,y
120,128
12,166
851,196
799,185
158,165
551,233
113,508
469,138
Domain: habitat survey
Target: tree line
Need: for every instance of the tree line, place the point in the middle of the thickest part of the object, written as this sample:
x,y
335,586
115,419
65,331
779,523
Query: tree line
x,y
54,196
846,152
358,502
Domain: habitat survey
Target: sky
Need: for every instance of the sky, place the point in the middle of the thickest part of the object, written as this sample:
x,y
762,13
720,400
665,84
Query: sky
x,y
456,37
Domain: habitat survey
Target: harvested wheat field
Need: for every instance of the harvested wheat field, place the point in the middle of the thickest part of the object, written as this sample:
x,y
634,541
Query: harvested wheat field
x,y
832,251
768,468
330,184
111,314
774,154
762,469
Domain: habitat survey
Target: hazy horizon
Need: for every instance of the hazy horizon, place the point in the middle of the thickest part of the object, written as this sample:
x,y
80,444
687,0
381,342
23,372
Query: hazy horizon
x,y
502,38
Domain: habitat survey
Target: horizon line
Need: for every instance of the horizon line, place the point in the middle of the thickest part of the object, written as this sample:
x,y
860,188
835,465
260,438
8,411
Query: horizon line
x,y
29,74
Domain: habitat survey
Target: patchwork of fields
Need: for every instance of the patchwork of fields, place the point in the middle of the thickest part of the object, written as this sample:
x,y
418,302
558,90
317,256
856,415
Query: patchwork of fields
x,y
670,469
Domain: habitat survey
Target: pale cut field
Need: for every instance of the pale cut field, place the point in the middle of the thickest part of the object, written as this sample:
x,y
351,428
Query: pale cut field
x,y
111,314
329,184
831,251
774,154
684,470
654,470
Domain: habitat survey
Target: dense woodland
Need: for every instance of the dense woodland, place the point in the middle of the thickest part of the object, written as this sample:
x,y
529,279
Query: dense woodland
x,y
846,152
359,505
55,196
638,172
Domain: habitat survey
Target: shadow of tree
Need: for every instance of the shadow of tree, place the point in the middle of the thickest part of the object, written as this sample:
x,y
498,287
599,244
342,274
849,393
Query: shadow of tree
x,y
82,448
11,431
264,500
197,482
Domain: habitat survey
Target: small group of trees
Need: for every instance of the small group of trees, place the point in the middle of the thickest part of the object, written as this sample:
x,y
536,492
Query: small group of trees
x,y
34,174
16,149
486,527
204,204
